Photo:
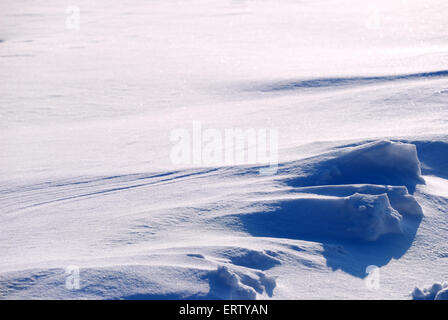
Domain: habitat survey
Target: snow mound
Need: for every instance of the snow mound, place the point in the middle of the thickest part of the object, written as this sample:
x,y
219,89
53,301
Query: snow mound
x,y
359,216
436,292
230,284
359,192
381,162
398,196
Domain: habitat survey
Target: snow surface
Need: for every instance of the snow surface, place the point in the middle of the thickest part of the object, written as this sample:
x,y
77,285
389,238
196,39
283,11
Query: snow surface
x,y
357,90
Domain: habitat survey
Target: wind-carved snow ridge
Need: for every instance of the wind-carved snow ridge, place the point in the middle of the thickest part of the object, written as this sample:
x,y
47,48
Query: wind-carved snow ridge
x,y
360,194
359,216
436,292
398,196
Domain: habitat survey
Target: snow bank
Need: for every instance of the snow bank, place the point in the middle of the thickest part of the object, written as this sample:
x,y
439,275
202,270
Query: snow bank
x,y
380,162
357,193
436,292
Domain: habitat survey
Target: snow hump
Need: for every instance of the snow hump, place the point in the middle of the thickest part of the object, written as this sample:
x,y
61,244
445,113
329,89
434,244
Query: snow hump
x,y
381,162
358,216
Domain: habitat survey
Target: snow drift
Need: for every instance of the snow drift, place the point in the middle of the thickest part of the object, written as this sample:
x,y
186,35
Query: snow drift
x,y
358,193
359,216
437,291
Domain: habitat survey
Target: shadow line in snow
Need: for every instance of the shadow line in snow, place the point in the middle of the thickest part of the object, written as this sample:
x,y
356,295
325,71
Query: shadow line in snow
x,y
347,81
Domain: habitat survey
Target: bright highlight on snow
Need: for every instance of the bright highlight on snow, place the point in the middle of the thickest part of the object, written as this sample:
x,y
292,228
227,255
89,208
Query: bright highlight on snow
x,y
231,149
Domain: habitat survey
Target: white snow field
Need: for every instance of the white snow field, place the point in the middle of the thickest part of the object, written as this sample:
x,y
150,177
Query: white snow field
x,y
91,92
